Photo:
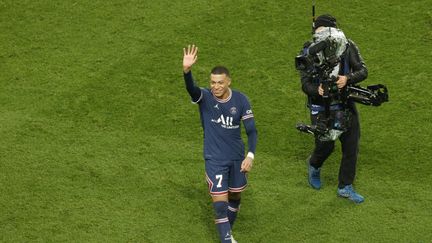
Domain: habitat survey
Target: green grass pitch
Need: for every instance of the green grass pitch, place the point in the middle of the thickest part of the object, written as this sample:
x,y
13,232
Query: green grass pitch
x,y
100,143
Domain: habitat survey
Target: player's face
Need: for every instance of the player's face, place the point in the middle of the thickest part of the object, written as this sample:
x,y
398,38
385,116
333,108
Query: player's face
x,y
219,84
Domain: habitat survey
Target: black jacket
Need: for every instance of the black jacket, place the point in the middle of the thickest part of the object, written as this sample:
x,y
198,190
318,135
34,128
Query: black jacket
x,y
357,73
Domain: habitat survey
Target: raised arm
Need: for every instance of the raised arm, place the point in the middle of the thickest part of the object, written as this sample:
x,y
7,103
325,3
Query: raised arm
x,y
189,59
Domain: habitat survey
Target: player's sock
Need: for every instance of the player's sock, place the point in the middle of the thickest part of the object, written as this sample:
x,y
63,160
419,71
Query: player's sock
x,y
233,208
222,222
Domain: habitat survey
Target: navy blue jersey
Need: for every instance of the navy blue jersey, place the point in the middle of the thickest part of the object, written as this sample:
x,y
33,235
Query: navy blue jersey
x,y
221,121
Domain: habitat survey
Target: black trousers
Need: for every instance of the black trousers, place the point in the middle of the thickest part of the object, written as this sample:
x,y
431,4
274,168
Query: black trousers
x,y
350,147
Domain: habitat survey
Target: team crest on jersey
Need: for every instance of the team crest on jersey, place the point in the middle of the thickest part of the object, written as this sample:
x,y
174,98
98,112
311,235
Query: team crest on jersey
x,y
233,110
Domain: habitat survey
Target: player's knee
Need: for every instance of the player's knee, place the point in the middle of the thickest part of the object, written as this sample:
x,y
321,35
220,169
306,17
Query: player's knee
x,y
220,208
234,195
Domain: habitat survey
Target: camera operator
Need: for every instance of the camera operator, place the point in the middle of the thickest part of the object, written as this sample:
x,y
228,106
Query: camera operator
x,y
351,70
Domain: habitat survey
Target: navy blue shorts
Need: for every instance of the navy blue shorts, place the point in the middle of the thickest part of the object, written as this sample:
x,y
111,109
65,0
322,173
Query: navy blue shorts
x,y
224,176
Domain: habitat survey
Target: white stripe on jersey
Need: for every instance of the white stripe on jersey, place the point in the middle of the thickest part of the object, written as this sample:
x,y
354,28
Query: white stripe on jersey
x,y
222,220
199,99
247,116
233,209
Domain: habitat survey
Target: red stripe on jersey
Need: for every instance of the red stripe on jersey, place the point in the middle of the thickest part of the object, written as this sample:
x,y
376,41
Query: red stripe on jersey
x,y
210,186
238,189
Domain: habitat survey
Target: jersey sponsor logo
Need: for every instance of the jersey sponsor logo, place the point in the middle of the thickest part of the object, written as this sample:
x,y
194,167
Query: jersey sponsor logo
x,y
249,114
226,122
233,110
216,106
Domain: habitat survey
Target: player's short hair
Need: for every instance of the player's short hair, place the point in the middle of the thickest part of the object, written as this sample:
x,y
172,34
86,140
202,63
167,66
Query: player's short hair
x,y
220,70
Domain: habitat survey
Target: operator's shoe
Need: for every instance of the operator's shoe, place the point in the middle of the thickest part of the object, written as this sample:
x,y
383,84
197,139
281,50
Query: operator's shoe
x,y
232,239
348,192
314,177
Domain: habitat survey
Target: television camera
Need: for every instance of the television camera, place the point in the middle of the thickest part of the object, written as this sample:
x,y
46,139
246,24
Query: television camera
x,y
320,60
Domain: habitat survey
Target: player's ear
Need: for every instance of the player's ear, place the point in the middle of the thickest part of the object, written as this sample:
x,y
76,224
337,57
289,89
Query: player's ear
x,y
228,80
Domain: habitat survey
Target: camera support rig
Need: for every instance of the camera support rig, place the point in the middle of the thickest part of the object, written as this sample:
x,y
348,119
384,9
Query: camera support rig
x,y
319,60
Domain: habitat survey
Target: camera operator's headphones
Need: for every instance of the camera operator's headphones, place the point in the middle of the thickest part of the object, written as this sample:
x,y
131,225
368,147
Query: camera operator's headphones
x,y
325,20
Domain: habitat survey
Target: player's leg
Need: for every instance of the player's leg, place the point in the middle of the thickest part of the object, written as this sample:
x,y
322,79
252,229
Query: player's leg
x,y
220,205
217,178
234,199
237,184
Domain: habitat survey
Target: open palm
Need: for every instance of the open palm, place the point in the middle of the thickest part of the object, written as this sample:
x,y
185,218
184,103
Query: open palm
x,y
189,57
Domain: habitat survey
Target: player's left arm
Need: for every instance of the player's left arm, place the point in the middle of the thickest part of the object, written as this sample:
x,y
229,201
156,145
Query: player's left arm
x,y
251,131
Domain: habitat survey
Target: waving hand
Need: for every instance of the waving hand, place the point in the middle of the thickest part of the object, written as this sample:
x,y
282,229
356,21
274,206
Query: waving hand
x,y
189,57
